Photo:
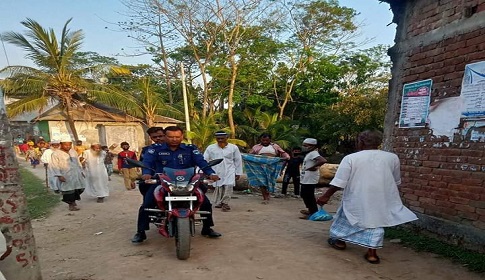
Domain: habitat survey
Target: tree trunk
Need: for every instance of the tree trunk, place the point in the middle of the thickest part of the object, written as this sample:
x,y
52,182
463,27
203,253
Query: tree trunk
x,y
22,263
149,122
230,98
70,120
288,92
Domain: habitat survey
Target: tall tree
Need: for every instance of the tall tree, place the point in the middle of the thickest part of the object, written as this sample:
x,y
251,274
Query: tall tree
x,y
236,18
15,223
321,26
57,77
148,25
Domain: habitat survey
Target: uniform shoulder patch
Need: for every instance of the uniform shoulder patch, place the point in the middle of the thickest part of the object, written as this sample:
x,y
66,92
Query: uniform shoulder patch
x,y
196,152
151,151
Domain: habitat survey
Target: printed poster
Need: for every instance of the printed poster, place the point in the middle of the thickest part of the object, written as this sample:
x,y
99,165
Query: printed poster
x,y
416,97
473,91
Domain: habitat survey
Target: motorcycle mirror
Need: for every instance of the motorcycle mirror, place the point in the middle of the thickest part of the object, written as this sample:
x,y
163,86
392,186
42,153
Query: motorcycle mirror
x,y
138,164
215,162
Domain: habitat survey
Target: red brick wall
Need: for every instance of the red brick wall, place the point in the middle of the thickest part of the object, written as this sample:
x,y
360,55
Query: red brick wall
x,y
442,179
431,15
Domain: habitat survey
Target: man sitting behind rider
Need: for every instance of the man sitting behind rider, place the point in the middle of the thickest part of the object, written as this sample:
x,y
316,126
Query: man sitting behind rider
x,y
174,154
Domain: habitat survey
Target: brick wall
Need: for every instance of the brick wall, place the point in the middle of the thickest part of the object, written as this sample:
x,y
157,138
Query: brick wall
x,y
430,15
435,40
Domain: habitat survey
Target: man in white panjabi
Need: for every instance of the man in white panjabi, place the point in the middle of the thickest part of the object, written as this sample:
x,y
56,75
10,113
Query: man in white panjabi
x,y
52,181
229,170
67,168
96,173
370,200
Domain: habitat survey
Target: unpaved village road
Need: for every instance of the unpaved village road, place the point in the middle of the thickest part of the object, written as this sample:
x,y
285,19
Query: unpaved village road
x,y
259,242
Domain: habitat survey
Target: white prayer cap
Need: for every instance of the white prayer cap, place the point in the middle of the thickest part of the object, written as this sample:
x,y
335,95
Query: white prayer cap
x,y
65,139
310,141
55,141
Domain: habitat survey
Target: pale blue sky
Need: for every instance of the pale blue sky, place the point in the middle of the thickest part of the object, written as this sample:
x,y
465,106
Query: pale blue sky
x,y
92,16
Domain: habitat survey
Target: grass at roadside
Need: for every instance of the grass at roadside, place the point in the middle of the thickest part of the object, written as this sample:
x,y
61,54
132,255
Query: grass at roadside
x,y
472,260
40,200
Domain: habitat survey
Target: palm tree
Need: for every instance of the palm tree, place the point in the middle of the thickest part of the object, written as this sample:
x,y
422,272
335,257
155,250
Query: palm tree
x,y
57,78
203,130
147,103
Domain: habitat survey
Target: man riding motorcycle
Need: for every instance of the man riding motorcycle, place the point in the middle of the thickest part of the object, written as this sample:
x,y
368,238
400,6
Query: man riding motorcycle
x,y
173,154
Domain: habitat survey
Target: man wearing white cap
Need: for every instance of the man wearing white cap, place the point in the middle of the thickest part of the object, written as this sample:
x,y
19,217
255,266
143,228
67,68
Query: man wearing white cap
x,y
67,168
310,173
96,173
51,180
229,170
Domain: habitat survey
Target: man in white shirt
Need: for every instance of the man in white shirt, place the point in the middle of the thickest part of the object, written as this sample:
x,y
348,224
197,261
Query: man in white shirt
x,y
370,200
310,173
229,170
52,181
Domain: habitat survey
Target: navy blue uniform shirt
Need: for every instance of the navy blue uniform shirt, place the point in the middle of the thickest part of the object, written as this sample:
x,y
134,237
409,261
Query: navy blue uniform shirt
x,y
144,151
186,156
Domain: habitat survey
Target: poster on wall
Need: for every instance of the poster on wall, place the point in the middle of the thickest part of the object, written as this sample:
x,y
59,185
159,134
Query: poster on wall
x,y
415,104
473,91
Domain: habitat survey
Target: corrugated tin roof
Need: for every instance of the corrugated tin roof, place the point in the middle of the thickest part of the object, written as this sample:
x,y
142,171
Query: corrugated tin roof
x,y
162,119
82,113
94,114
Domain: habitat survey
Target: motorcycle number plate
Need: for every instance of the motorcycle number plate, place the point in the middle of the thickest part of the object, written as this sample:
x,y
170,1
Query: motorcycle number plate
x,y
180,198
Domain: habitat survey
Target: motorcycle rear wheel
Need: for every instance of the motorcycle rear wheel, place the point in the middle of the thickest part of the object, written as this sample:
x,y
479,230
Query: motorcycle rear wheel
x,y
182,239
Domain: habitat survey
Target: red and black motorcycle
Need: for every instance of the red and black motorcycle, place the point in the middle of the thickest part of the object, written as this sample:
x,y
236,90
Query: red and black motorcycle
x,y
179,195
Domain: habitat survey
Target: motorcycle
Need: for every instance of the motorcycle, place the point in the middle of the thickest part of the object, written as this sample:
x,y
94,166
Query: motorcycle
x,y
179,194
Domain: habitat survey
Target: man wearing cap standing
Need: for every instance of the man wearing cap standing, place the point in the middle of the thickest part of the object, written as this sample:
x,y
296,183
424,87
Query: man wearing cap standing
x,y
51,181
68,170
229,170
310,173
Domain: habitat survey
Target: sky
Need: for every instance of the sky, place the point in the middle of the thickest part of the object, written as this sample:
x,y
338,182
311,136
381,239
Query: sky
x,y
97,19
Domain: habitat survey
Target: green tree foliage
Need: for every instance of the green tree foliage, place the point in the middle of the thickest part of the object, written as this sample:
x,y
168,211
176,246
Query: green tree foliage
x,y
356,100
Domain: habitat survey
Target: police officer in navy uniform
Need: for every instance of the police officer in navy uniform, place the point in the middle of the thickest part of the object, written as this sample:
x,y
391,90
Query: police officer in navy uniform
x,y
157,135
174,154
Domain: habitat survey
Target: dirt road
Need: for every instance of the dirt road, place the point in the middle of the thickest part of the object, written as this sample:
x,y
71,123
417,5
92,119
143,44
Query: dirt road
x,y
259,242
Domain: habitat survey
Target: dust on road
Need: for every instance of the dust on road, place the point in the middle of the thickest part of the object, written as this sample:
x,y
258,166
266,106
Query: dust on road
x,y
259,242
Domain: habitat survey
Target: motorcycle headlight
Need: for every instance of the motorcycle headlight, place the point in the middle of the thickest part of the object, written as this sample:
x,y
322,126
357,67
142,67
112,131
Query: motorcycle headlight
x,y
181,188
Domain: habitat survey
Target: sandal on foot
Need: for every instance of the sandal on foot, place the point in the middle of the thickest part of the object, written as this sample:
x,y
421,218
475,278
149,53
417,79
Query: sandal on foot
x,y
377,260
337,244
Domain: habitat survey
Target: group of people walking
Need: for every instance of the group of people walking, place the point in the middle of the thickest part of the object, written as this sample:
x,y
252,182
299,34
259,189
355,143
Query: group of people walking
x,y
73,169
368,179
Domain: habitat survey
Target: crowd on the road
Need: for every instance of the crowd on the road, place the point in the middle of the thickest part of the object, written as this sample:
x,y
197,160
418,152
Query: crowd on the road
x,y
368,178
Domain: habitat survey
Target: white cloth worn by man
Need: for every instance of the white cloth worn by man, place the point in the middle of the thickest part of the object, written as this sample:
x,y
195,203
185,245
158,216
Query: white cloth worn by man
x,y
370,200
310,174
228,170
52,181
96,173
67,168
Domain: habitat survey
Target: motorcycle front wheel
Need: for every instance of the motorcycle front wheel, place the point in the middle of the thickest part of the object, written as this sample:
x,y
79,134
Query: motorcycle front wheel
x,y
182,239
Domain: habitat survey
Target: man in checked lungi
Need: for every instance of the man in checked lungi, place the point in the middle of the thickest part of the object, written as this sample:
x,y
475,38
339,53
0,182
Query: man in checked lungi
x,y
370,201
